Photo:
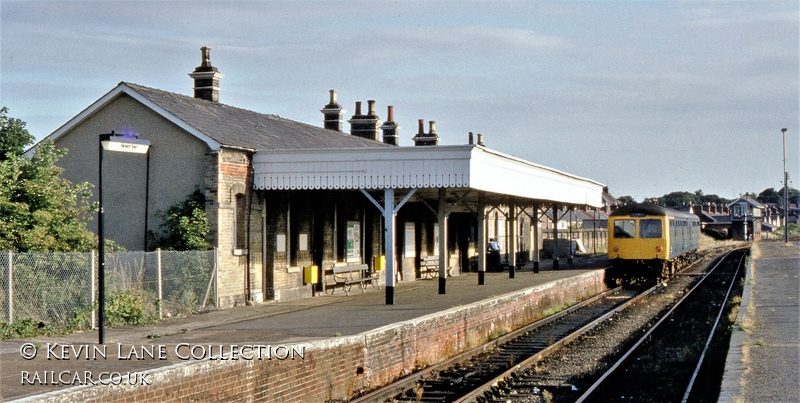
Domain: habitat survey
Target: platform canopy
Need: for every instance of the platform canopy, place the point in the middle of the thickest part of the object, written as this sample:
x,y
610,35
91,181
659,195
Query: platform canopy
x,y
458,166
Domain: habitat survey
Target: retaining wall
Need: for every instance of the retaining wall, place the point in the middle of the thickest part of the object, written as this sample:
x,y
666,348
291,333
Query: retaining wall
x,y
337,368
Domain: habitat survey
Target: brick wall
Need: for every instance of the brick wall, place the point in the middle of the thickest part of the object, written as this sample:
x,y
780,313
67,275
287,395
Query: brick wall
x,y
337,368
227,175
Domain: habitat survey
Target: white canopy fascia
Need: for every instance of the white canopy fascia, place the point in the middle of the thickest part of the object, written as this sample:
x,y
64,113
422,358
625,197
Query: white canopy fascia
x,y
460,166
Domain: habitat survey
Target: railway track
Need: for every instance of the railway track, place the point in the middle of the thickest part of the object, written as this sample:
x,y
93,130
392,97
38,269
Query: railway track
x,y
627,379
665,362
503,370
473,372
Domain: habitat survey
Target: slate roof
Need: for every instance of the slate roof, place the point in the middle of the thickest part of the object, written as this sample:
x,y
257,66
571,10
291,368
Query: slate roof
x,y
748,199
241,128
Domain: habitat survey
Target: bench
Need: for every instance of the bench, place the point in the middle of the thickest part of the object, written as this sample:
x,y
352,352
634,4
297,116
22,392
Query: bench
x,y
429,267
347,275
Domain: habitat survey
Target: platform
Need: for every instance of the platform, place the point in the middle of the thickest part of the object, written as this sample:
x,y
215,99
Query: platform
x,y
763,363
320,322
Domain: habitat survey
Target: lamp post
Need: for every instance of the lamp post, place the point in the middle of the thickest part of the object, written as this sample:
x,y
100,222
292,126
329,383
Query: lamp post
x,y
110,142
785,192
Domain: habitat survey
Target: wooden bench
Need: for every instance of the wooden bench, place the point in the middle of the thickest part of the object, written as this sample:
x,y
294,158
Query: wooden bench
x,y
347,275
429,267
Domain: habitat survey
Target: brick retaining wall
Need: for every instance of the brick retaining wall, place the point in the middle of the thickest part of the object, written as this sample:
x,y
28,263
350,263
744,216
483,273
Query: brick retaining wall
x,y
337,368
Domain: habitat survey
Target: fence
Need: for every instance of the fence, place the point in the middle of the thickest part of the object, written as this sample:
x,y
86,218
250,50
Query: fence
x,y
53,286
593,239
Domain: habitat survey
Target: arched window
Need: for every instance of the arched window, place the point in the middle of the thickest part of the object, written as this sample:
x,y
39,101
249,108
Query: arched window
x,y
239,203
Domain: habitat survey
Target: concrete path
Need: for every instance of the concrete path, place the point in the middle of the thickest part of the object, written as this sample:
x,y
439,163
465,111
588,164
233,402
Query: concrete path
x,y
763,362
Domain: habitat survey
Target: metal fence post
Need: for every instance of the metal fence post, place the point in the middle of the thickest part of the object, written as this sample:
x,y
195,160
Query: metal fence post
x,y
160,285
93,286
10,285
216,280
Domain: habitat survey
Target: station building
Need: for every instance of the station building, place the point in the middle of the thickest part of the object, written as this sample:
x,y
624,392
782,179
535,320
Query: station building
x,y
283,197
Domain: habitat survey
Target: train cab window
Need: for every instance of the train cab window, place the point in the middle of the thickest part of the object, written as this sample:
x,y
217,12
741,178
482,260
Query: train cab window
x,y
624,229
649,228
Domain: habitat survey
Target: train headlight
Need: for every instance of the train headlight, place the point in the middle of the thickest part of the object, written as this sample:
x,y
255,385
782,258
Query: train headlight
x,y
616,249
658,248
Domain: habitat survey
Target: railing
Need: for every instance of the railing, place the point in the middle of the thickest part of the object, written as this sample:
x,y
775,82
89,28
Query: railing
x,y
52,287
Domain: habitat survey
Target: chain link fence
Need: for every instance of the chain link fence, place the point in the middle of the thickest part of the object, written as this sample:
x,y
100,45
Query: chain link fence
x,y
52,287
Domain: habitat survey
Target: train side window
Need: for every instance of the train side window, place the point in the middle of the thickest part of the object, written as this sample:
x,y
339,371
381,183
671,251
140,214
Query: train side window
x,y
624,229
649,228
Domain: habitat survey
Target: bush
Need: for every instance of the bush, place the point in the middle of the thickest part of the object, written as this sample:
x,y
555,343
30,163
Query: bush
x,y
126,309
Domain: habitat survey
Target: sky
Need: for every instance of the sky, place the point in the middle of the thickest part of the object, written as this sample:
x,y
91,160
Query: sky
x,y
647,97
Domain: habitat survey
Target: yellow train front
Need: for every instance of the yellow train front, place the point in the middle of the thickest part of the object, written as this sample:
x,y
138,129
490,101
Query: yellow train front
x,y
648,242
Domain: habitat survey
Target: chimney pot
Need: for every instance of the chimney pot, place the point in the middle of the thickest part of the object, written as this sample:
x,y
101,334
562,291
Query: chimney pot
x,y
371,108
358,107
333,97
206,56
480,139
421,126
432,127
470,139
390,113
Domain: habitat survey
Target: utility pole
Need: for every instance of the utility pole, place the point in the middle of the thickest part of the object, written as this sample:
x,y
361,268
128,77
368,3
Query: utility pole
x,y
785,193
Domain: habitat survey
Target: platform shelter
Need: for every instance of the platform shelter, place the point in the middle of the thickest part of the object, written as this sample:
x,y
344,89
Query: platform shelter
x,y
446,179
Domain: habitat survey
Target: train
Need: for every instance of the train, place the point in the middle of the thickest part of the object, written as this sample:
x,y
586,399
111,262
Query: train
x,y
648,242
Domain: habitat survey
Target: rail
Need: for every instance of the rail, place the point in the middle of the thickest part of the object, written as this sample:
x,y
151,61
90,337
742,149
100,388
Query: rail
x,y
599,382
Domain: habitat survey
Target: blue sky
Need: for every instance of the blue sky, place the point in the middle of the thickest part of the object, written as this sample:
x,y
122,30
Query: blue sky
x,y
648,97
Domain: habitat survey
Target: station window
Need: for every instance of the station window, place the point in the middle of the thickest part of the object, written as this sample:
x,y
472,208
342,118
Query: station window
x,y
624,229
650,228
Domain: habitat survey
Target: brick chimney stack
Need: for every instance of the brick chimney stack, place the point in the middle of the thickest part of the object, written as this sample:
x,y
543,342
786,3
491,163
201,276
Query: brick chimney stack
x,y
426,139
333,114
390,129
206,78
366,126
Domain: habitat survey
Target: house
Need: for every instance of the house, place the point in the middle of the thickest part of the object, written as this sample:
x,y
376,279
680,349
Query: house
x,y
283,197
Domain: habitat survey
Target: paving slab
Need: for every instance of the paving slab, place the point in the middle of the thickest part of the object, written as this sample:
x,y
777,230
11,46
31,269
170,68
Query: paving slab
x,y
763,363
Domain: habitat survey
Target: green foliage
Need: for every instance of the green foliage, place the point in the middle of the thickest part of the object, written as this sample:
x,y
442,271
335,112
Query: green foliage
x,y
678,199
23,329
39,210
793,231
28,327
769,196
776,196
718,235
626,200
126,308
14,137
185,225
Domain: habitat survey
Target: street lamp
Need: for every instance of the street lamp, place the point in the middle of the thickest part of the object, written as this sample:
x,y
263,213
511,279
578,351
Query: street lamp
x,y
125,144
785,192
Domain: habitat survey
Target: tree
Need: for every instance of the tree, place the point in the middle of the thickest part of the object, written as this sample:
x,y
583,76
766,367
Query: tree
x,y
678,199
185,225
13,135
626,200
770,196
39,210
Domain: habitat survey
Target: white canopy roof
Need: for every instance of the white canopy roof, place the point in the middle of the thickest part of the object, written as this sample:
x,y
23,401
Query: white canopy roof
x,y
459,166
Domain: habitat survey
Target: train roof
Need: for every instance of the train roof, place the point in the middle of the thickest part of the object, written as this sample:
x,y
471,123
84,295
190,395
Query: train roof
x,y
650,209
